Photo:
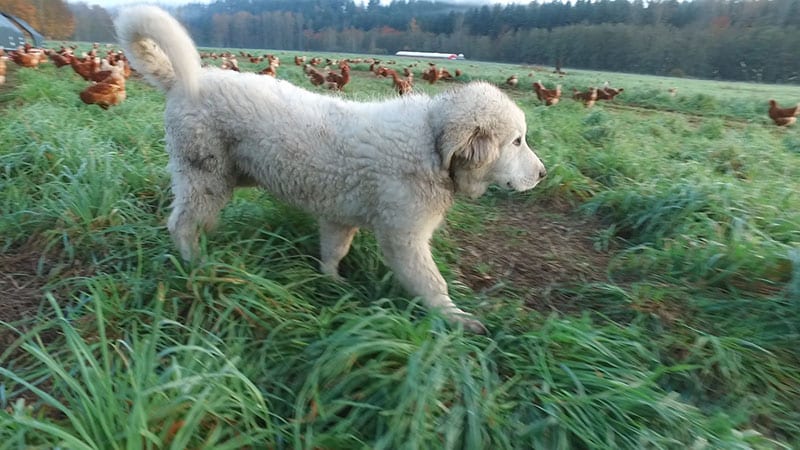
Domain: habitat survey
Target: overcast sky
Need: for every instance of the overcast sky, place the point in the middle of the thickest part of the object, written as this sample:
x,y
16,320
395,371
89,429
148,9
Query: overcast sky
x,y
110,3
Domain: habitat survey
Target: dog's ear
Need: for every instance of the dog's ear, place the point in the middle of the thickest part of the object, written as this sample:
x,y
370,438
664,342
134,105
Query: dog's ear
x,y
481,149
468,150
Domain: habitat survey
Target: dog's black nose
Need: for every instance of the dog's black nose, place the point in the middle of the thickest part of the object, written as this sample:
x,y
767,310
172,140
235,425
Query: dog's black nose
x,y
543,173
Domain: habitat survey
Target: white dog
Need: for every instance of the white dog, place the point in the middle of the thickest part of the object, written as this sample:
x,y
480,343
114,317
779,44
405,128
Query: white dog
x,y
392,166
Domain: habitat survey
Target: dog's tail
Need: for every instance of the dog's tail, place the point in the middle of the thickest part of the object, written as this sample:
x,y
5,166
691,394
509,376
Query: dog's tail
x,y
159,48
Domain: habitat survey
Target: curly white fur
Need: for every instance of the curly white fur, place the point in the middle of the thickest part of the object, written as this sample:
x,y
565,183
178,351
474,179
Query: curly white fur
x,y
392,166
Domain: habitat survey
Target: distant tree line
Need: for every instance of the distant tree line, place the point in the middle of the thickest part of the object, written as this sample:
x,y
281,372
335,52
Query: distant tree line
x,y
749,40
92,23
52,18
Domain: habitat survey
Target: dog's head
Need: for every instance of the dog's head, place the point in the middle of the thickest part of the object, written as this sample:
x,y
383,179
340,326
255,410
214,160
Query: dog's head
x,y
480,137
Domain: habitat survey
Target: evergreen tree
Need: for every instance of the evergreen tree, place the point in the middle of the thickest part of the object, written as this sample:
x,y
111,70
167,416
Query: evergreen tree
x,y
727,39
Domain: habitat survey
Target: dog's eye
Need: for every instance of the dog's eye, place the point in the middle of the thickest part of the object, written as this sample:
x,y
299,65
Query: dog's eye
x,y
518,141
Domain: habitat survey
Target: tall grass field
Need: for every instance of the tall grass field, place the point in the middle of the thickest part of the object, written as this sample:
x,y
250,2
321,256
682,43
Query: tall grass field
x,y
645,296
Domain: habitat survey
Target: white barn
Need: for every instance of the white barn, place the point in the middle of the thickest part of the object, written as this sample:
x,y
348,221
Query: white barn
x,y
435,55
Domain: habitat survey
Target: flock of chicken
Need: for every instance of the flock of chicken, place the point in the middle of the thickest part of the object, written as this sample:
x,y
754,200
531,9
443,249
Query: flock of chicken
x,y
320,73
781,116
551,97
107,75
331,79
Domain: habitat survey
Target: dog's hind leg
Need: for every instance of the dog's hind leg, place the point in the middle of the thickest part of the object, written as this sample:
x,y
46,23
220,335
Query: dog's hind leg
x,y
334,243
410,258
199,197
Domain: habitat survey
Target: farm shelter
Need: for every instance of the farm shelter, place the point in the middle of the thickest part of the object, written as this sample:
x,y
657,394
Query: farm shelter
x,y
15,32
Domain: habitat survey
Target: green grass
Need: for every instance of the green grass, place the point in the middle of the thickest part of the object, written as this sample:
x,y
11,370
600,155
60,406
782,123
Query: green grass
x,y
689,343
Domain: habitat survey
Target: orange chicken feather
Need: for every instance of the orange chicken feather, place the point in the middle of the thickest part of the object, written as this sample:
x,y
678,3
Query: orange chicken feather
x,y
108,92
588,98
25,58
549,96
316,77
338,81
783,116
3,58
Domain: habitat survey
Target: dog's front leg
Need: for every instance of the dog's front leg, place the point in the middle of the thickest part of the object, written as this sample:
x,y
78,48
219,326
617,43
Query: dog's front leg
x,y
410,258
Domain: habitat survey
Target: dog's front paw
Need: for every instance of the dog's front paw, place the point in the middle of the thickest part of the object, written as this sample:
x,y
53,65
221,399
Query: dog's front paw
x,y
474,326
470,323
331,271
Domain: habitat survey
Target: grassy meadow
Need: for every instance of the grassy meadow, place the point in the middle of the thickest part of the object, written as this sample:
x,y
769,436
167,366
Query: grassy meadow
x,y
685,337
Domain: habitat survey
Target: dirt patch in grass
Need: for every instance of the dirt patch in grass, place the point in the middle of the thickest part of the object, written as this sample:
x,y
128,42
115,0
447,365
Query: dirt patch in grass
x,y
535,251
24,277
22,287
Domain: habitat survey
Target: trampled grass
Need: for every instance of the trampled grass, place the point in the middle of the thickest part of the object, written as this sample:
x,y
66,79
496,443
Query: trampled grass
x,y
690,341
